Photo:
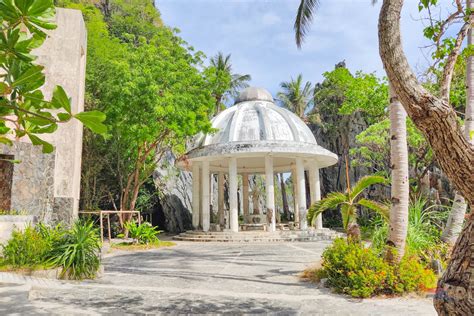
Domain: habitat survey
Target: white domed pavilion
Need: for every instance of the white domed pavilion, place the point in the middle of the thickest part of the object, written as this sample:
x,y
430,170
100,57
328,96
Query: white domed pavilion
x,y
255,136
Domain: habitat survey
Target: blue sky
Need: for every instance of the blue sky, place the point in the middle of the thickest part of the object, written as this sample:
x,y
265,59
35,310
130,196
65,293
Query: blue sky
x,y
259,36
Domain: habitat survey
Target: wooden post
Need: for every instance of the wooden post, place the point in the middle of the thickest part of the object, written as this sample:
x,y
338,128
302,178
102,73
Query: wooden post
x,y
101,228
108,227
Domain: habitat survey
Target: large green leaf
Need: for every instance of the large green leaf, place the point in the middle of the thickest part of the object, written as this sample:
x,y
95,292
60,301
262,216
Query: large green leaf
x,y
30,79
35,140
333,200
364,183
60,99
381,209
93,120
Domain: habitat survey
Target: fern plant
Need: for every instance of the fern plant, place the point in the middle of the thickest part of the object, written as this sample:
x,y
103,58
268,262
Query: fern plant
x,y
144,233
349,201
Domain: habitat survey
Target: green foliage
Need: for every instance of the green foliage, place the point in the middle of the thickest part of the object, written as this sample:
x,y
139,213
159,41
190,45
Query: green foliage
x,y
26,248
424,228
296,95
223,83
373,149
77,252
362,92
349,201
359,271
152,87
22,103
144,233
13,212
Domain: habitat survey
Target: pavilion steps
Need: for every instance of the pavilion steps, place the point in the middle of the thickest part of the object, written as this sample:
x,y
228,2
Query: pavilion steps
x,y
258,236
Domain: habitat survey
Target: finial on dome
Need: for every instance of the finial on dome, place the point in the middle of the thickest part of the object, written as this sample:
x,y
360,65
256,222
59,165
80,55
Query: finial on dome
x,y
254,94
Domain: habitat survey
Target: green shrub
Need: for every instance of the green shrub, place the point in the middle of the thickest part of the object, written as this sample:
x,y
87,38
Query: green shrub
x,y
77,251
359,271
144,233
412,276
353,269
26,248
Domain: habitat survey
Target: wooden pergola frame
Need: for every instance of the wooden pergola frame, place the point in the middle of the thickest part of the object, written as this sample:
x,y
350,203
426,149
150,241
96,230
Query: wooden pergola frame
x,y
101,214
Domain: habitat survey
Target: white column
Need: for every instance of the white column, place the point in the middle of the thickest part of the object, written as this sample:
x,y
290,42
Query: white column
x,y
296,209
315,192
270,191
245,193
220,197
234,215
205,196
196,199
301,193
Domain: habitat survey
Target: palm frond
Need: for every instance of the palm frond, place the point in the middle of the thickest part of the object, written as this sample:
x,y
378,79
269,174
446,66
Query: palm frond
x,y
364,183
303,19
380,208
332,201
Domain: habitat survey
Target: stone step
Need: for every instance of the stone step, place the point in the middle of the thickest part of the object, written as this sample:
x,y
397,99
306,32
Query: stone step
x,y
246,236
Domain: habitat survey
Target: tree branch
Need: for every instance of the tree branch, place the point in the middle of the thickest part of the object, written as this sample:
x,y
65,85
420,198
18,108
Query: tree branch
x,y
448,70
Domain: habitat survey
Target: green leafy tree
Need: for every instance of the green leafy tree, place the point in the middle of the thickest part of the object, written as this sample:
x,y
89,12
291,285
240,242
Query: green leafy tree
x,y
23,108
149,84
373,151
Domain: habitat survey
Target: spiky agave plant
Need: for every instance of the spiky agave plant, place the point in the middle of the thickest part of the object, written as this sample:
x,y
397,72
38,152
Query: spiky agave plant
x,y
78,252
349,201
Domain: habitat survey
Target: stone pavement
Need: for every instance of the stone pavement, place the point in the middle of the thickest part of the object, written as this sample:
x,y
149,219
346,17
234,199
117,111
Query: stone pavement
x,y
199,278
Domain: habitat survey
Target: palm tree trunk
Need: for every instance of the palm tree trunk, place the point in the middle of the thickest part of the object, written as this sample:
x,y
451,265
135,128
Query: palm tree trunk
x,y
284,197
456,217
400,186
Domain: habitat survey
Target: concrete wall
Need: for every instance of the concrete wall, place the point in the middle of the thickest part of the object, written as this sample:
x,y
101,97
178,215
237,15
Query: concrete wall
x,y
64,56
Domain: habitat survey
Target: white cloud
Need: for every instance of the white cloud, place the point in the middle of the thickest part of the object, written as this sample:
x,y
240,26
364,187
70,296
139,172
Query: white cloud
x,y
270,18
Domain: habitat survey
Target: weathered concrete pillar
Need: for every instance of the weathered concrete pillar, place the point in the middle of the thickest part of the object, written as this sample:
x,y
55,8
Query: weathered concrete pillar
x,y
205,196
301,193
270,191
196,200
220,198
245,193
296,209
234,215
315,192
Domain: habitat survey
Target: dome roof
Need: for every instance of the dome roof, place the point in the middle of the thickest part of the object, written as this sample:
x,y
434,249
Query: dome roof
x,y
253,128
255,118
254,94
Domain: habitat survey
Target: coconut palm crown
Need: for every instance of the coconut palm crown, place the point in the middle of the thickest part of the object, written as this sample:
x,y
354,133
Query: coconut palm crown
x,y
349,201
296,95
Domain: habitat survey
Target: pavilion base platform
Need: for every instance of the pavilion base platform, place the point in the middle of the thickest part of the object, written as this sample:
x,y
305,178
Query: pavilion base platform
x,y
260,236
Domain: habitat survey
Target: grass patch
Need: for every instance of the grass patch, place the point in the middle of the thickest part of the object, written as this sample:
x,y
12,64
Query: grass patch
x,y
22,270
313,274
129,246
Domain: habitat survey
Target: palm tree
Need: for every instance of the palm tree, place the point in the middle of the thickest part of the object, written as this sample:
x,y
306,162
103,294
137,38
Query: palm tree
x,y
296,96
398,146
400,186
349,201
226,82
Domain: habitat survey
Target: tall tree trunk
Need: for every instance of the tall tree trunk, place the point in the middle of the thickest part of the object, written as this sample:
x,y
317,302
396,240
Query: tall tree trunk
x,y
398,226
437,120
456,217
284,197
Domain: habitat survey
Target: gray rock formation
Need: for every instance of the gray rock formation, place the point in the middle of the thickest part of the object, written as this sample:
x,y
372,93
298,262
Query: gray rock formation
x,y
174,209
